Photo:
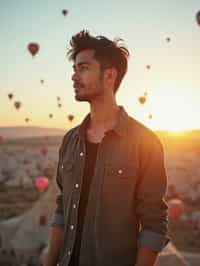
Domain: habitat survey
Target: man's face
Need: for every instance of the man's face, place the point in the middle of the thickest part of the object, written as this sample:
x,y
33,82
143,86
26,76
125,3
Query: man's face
x,y
87,77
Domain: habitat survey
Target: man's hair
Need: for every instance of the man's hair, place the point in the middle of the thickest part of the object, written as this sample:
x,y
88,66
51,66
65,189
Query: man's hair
x,y
108,53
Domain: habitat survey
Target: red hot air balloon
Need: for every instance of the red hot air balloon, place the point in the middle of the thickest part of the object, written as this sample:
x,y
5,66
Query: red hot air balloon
x,y
198,17
64,12
176,208
70,118
42,183
142,100
33,48
44,151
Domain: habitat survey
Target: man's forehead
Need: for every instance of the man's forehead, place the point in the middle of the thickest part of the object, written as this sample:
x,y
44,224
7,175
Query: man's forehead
x,y
85,56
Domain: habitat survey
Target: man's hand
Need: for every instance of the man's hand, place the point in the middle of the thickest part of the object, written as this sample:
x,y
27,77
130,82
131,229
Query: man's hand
x,y
146,257
55,244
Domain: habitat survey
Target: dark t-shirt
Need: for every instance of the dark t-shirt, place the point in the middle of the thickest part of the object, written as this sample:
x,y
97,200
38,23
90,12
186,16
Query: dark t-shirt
x,y
91,153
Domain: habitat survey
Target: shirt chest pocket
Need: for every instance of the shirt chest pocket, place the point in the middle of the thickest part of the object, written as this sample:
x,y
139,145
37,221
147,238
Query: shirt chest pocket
x,y
119,175
67,169
119,183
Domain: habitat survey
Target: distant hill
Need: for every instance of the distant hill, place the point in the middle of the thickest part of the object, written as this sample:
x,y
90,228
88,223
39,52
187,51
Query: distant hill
x,y
28,132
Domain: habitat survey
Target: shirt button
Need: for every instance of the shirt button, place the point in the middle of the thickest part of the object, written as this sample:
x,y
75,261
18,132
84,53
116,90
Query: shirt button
x,y
77,186
62,166
81,154
69,253
120,171
72,227
74,206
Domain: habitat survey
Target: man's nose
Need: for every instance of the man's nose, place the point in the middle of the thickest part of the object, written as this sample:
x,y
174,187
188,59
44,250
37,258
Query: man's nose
x,y
75,76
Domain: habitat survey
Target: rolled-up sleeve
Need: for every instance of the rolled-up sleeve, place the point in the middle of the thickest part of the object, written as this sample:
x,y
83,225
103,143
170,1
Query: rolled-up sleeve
x,y
58,217
151,207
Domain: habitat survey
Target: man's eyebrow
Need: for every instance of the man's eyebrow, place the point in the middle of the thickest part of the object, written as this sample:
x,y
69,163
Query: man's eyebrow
x,y
80,64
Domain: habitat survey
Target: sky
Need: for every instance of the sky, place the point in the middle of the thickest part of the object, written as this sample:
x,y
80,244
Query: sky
x,y
172,83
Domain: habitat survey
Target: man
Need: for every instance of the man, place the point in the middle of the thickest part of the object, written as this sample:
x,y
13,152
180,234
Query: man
x,y
111,174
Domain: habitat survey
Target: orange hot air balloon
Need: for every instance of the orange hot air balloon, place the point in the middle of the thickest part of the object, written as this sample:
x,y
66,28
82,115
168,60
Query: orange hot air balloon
x,y
42,183
142,100
70,118
50,115
176,208
17,104
198,17
64,12
44,151
10,96
33,48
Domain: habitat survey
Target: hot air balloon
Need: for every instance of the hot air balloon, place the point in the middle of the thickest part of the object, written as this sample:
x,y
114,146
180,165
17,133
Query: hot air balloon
x,y
33,48
44,151
142,100
176,208
42,183
148,66
64,12
10,96
198,17
50,115
17,104
70,118
26,120
58,98
168,39
59,105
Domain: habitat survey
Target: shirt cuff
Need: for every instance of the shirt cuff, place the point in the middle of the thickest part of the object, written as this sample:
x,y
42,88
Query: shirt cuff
x,y
152,240
57,219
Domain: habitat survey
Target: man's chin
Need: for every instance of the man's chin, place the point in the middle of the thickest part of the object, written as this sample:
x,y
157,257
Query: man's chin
x,y
81,99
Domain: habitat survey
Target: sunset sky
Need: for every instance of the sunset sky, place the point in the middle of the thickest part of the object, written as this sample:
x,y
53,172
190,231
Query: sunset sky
x,y
172,83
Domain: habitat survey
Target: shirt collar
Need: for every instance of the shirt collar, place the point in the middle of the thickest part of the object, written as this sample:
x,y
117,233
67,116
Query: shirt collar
x,y
120,128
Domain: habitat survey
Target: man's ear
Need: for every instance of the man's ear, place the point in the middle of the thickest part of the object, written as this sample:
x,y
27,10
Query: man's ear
x,y
111,74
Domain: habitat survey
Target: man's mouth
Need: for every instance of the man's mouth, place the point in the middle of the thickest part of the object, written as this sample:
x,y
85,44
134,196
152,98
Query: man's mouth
x,y
78,86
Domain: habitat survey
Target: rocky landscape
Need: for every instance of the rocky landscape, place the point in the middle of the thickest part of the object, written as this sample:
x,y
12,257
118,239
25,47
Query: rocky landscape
x,y
23,160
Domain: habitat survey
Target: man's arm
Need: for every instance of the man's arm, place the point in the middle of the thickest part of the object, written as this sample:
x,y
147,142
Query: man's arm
x,y
151,207
55,245
57,224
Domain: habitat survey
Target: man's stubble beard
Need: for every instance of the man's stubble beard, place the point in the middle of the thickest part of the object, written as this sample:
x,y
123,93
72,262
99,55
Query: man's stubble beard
x,y
88,98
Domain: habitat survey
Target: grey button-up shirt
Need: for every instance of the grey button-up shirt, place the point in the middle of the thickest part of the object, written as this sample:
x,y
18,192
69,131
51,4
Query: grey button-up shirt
x,y
126,207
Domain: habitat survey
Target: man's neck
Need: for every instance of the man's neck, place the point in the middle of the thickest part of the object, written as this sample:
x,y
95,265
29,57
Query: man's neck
x,y
103,116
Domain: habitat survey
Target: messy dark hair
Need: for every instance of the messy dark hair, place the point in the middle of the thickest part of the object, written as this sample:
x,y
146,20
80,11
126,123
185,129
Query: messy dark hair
x,y
108,53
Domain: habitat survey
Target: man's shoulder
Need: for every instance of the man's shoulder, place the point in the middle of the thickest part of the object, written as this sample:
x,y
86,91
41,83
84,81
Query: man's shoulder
x,y
70,134
142,131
